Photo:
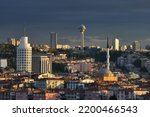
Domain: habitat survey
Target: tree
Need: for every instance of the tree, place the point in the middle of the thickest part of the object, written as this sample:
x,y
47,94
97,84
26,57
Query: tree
x,y
143,69
58,67
113,97
137,63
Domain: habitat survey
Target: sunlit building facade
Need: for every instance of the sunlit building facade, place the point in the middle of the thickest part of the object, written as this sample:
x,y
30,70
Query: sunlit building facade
x,y
24,56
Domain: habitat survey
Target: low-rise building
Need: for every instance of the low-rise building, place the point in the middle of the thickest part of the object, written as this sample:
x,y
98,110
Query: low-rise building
x,y
4,94
21,95
3,63
74,84
65,47
125,94
46,95
49,83
140,92
92,95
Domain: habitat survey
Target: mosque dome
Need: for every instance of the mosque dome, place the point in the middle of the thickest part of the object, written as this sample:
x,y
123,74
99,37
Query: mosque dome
x,y
104,71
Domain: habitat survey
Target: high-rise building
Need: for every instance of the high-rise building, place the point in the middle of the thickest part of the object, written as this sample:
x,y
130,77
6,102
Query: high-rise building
x,y
53,40
24,56
136,46
116,44
123,47
14,41
130,47
42,63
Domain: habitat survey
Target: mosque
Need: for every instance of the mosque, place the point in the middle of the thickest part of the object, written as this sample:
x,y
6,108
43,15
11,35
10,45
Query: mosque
x,y
105,73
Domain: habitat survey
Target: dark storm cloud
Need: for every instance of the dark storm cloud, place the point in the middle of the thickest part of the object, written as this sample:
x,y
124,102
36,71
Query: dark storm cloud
x,y
127,18
65,9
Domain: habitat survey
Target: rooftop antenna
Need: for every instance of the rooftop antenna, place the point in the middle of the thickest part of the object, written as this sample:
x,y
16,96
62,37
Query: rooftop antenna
x,y
24,31
107,42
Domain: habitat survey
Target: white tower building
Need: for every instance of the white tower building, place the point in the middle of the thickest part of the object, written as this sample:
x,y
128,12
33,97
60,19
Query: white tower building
x,y
82,29
116,44
24,56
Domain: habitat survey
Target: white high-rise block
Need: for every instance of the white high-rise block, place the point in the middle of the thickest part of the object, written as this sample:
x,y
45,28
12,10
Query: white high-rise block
x,y
116,44
24,56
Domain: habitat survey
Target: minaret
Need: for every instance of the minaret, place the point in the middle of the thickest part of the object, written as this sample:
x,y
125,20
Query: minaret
x,y
82,29
107,55
107,75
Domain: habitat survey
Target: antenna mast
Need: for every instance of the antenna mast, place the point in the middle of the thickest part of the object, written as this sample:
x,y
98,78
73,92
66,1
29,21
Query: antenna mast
x,y
24,31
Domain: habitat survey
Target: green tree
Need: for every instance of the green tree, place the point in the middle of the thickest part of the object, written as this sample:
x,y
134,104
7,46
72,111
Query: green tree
x,y
58,67
113,97
137,63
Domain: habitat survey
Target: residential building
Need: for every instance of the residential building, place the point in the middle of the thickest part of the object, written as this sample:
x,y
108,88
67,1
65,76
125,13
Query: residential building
x,y
92,95
46,95
14,42
65,47
42,63
123,48
4,94
74,84
53,40
21,95
125,94
82,67
136,46
3,63
49,83
116,44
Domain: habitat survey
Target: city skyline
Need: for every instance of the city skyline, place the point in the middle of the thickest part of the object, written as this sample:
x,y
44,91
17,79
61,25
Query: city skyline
x,y
127,20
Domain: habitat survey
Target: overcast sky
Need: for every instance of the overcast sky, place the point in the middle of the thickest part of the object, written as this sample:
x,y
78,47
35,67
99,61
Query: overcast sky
x,y
128,20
